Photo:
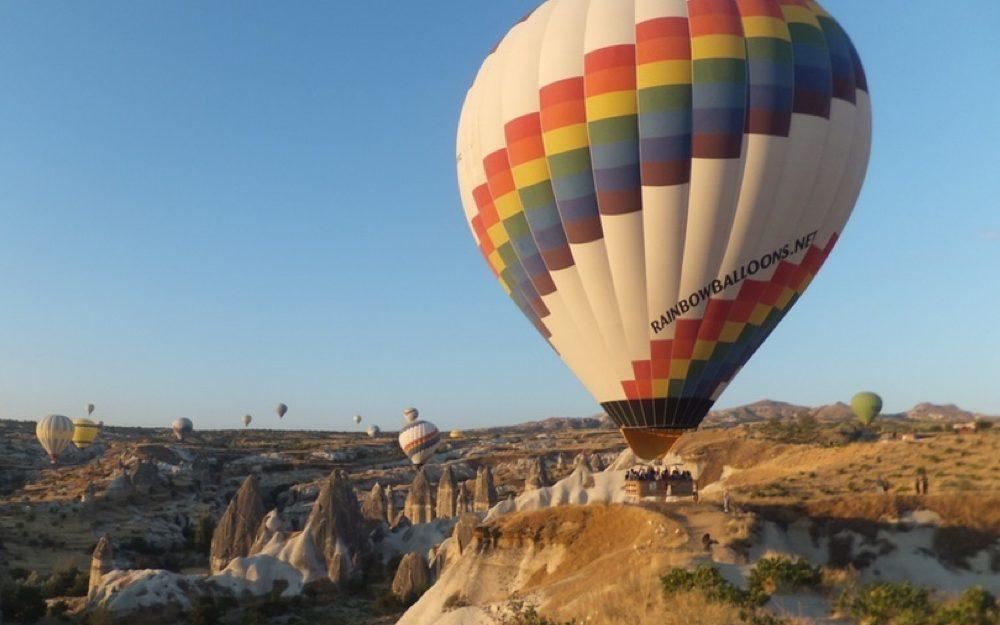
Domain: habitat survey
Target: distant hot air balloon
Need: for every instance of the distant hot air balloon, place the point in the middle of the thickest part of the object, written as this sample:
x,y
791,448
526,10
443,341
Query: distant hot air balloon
x,y
411,414
419,440
246,420
374,431
357,419
866,406
84,432
280,410
182,428
89,408
656,182
455,434
54,432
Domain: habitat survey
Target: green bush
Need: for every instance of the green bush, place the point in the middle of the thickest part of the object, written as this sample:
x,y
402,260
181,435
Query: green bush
x,y
22,603
708,581
904,604
521,613
69,582
781,574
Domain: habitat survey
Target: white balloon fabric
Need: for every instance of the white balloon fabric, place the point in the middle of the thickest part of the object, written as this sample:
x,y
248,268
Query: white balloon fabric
x,y
182,428
419,440
411,414
246,420
357,419
54,432
374,431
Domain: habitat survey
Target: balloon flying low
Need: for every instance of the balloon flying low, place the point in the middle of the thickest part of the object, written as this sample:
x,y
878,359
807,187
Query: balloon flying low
x,y
656,182
246,420
280,410
866,406
85,432
455,434
374,431
54,432
419,440
182,428
411,414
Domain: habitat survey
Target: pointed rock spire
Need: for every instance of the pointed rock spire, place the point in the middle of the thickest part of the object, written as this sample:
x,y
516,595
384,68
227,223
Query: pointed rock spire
x,y
102,562
486,492
337,529
374,507
237,529
446,494
419,506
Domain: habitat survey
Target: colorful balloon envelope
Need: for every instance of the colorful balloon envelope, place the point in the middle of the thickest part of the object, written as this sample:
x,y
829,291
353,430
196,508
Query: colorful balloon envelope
x,y
54,432
374,431
656,182
419,440
85,432
182,428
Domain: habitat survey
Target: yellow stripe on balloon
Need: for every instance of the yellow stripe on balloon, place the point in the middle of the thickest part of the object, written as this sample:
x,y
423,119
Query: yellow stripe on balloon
x,y
661,73
566,139
531,173
765,26
508,205
799,14
609,105
718,47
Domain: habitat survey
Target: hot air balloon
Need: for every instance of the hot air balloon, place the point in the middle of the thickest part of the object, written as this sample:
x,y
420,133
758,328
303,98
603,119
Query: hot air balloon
x,y
54,432
455,434
656,182
374,431
85,432
89,408
419,440
182,428
411,414
357,419
246,420
280,410
866,406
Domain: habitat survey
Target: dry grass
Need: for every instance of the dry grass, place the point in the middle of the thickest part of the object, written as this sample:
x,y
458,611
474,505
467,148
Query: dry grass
x,y
640,601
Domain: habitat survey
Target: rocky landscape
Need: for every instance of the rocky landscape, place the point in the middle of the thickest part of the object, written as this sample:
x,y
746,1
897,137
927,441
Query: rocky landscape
x,y
799,512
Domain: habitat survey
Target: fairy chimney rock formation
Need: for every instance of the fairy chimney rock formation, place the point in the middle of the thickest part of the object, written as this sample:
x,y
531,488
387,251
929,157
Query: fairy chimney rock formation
x,y
486,492
419,506
102,562
237,529
538,476
412,577
446,494
463,500
390,506
146,479
337,529
374,507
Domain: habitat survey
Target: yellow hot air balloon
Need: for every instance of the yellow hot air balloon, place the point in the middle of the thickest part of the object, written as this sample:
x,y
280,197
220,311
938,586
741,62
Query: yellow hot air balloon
x,y
655,183
455,434
54,432
84,433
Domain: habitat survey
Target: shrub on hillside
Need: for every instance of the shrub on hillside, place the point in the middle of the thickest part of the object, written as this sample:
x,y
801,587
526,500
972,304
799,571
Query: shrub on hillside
x,y
904,604
520,613
781,574
708,581
68,582
21,603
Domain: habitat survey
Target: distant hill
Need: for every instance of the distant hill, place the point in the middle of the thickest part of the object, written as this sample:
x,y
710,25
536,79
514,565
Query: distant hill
x,y
766,409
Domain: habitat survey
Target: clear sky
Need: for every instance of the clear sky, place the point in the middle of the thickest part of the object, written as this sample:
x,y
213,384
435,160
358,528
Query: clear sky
x,y
210,207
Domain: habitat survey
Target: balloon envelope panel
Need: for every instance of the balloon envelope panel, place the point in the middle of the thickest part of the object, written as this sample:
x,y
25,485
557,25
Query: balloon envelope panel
x,y
655,183
419,440
182,428
54,433
84,433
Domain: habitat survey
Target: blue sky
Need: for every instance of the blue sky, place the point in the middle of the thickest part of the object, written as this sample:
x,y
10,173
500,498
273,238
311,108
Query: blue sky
x,y
211,207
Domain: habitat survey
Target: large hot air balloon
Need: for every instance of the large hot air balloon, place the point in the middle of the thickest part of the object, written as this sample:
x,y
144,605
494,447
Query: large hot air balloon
x,y
246,420
54,432
182,428
280,410
357,419
411,414
374,431
419,440
89,408
866,406
656,182
85,432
